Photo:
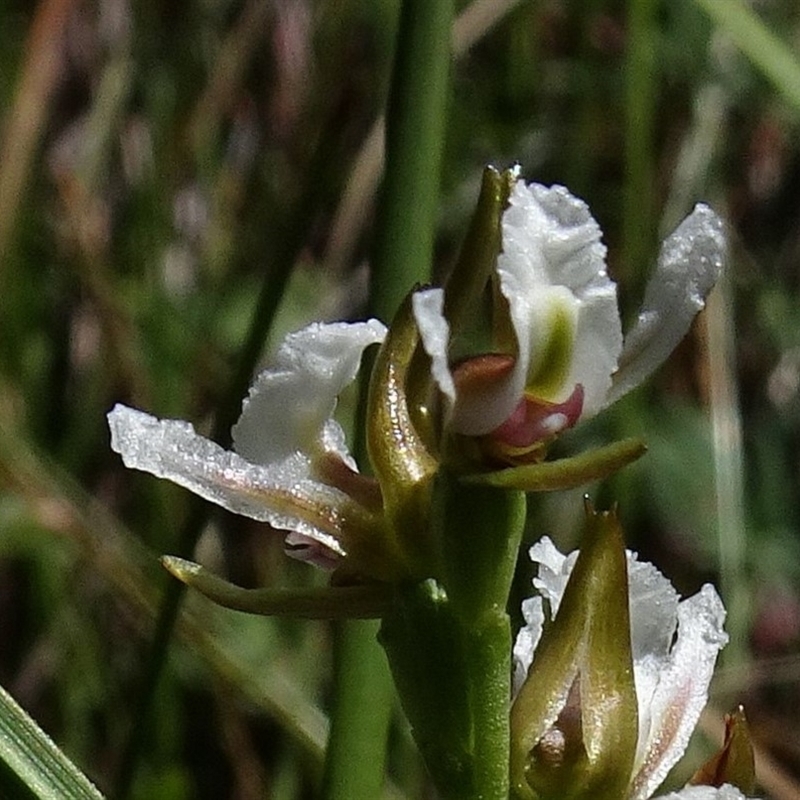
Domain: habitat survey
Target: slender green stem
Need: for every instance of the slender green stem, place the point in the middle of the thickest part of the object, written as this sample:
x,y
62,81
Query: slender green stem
x,y
638,229
415,124
401,258
356,755
449,641
488,659
480,528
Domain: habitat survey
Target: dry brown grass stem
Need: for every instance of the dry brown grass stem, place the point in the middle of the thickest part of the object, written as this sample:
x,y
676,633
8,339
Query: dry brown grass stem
x,y
25,121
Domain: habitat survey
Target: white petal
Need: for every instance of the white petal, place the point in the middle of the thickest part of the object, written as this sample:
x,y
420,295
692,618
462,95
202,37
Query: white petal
x,y
726,792
172,449
554,571
654,609
688,266
551,580
289,404
551,240
668,718
434,331
527,639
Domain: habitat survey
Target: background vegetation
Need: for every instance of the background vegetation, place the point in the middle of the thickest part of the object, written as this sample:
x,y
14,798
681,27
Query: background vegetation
x,y
181,183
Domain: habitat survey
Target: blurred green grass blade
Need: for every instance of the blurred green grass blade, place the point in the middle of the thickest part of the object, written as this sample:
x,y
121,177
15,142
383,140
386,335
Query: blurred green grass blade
x,y
405,233
765,50
641,88
31,766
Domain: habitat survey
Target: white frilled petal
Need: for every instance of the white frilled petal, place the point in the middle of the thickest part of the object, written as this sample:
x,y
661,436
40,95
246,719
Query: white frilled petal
x,y
671,673
680,683
290,405
689,265
270,493
285,423
554,571
427,306
553,262
551,270
563,308
725,792
527,639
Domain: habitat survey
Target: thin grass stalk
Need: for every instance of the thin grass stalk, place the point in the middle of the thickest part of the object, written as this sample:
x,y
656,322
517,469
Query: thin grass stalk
x,y
765,50
402,256
471,25
640,104
415,128
729,480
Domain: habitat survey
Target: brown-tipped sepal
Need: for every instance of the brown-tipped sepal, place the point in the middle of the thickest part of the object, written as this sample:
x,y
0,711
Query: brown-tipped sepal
x,y
735,762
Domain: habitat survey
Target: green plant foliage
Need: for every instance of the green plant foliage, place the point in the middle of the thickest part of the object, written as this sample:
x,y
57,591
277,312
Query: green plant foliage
x,y
31,765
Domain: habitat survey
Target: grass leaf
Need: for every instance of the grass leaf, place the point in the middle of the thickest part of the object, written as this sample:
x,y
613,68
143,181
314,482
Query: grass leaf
x,y
31,765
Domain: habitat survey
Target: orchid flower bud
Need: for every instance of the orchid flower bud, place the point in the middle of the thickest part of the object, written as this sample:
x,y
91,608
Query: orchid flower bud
x,y
610,689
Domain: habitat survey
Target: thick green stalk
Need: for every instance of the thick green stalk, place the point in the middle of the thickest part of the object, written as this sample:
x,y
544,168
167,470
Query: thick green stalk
x,y
402,257
449,641
480,529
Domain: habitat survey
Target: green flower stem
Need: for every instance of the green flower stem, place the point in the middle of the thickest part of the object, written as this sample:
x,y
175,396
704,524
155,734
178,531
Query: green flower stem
x,y
481,529
449,642
402,256
488,661
453,678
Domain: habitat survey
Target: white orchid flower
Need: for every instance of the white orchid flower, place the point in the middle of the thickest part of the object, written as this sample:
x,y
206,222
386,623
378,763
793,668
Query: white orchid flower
x,y
725,792
290,466
284,436
674,647
571,360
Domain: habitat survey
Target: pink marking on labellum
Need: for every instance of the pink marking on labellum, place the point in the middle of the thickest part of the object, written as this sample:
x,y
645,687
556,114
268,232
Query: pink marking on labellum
x,y
535,420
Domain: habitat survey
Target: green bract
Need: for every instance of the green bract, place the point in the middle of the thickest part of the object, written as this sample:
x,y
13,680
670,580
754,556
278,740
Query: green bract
x,y
574,720
611,688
